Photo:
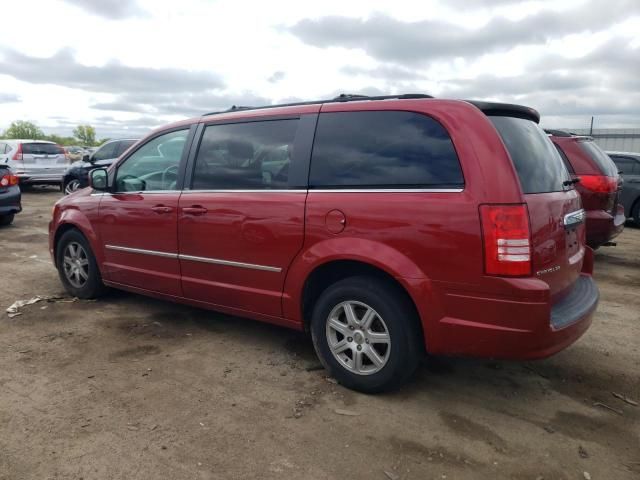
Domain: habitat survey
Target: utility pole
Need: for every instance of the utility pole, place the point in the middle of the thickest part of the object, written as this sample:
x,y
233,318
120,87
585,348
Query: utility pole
x,y
591,128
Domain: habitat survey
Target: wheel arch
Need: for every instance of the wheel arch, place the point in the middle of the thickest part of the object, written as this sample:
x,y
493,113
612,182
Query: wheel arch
x,y
74,220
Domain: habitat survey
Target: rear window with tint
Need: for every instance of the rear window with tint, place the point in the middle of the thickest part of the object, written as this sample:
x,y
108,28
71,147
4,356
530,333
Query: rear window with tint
x,y
605,164
383,149
42,149
538,164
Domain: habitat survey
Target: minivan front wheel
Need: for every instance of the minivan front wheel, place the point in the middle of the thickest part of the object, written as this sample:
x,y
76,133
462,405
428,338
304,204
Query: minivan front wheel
x,y
77,267
365,332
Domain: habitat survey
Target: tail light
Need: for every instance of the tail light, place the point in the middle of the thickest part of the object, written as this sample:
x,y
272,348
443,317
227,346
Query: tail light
x,y
17,157
599,183
507,240
8,180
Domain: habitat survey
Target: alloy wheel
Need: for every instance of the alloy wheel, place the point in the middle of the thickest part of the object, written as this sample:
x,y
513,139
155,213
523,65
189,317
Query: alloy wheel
x,y
72,186
76,264
358,337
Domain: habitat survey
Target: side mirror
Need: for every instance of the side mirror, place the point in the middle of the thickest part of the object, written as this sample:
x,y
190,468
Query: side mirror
x,y
99,179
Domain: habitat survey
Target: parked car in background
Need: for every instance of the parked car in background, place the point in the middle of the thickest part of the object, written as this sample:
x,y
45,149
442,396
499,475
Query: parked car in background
x,y
75,153
383,225
77,175
9,195
34,162
629,167
599,185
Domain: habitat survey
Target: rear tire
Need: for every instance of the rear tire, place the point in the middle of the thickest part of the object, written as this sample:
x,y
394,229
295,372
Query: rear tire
x,y
6,220
366,333
77,267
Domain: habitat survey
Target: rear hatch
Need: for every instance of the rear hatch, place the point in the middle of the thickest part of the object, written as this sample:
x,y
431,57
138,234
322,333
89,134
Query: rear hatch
x,y
557,225
44,157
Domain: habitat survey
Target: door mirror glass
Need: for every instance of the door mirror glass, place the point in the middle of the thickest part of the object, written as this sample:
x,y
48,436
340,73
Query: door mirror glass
x,y
99,179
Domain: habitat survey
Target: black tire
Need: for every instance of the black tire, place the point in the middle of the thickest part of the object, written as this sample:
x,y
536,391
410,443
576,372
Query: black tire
x,y
398,317
70,186
92,286
6,220
635,214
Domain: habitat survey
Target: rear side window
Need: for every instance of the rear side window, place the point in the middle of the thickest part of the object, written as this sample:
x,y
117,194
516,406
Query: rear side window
x,y
626,165
42,149
251,156
602,160
538,164
383,149
107,151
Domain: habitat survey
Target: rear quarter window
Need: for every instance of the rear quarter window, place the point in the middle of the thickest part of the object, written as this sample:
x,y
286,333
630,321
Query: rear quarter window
x,y
538,164
601,159
383,149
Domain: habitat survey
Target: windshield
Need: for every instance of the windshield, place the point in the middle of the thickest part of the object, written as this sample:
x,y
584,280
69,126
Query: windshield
x,y
605,164
539,166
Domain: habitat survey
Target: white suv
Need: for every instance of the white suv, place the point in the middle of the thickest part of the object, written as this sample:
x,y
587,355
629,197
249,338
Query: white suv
x,y
34,161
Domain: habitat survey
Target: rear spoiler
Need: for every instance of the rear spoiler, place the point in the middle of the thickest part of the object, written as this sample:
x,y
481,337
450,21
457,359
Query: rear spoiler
x,y
506,110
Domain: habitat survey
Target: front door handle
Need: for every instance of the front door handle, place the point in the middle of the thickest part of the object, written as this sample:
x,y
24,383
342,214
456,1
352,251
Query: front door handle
x,y
161,209
194,210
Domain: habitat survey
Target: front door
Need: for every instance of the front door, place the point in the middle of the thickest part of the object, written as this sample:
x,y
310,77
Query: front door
x,y
138,221
241,222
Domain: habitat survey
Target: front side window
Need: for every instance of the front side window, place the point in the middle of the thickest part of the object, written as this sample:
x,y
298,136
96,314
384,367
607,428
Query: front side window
x,y
383,149
106,151
251,156
626,165
123,145
154,166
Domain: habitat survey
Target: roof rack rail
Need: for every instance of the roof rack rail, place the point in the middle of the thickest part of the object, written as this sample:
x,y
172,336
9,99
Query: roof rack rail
x,y
343,97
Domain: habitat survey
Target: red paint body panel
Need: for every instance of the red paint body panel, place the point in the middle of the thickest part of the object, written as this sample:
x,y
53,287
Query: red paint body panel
x,y
129,220
264,229
430,242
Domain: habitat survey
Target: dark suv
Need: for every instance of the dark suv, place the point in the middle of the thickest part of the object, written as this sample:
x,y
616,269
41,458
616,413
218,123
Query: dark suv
x,y
77,175
385,226
599,185
629,166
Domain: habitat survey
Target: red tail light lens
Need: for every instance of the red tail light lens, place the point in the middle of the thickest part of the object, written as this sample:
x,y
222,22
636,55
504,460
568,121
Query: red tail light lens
x,y
8,180
599,183
507,240
17,157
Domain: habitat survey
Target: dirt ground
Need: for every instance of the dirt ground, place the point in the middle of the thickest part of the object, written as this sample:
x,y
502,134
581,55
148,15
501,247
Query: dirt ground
x,y
132,388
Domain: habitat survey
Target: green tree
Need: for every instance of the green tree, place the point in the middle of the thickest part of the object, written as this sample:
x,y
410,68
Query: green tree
x,y
23,129
86,135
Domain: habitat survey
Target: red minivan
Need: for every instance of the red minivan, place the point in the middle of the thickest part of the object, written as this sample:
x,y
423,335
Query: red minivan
x,y
599,185
385,226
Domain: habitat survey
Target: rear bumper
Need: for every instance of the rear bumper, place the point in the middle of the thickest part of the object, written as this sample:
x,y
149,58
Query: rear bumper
x,y
526,325
602,227
40,178
10,201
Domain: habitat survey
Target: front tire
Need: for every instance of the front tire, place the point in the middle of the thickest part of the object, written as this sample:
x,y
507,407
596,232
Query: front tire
x,y
366,333
77,267
71,186
6,220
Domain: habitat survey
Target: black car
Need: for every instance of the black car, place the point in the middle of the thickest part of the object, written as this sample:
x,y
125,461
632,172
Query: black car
x,y
9,195
77,175
629,166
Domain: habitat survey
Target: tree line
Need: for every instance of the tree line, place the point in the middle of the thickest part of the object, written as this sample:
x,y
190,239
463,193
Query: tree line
x,y
84,135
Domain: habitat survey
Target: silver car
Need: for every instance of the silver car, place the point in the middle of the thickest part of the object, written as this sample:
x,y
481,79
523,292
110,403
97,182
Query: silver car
x,y
34,161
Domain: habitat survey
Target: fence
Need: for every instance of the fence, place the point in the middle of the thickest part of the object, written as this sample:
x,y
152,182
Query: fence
x,y
613,139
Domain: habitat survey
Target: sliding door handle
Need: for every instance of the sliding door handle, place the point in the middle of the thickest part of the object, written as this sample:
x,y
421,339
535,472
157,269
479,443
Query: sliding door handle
x,y
194,210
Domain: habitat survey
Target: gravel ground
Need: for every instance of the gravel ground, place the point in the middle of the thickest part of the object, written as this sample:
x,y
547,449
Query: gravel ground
x,y
132,388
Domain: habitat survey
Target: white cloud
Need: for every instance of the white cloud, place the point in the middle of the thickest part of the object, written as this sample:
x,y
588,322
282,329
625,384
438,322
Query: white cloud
x,y
125,65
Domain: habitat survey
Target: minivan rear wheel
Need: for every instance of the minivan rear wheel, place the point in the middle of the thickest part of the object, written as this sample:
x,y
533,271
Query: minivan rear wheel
x,y
77,267
366,334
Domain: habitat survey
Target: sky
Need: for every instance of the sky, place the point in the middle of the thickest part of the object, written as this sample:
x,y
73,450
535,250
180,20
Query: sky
x,y
127,66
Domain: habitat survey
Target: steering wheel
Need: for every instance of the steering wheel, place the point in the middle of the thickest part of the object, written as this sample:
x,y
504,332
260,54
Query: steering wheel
x,y
166,172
